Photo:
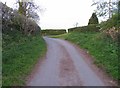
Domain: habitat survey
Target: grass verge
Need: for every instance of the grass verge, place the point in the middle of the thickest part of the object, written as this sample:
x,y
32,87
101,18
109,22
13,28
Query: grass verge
x,y
19,57
101,47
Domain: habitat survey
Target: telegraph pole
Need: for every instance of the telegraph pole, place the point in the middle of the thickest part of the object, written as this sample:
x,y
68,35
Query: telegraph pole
x,y
109,9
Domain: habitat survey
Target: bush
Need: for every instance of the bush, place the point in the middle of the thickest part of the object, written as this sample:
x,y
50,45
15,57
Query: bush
x,y
112,22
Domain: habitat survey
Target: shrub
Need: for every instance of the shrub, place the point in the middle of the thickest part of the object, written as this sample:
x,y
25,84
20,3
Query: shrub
x,y
112,22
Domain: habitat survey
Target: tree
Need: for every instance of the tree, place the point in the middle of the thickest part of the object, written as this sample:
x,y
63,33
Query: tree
x,y
105,8
28,9
22,8
93,19
76,24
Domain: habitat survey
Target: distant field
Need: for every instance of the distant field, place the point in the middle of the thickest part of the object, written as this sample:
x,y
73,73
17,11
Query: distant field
x,y
102,48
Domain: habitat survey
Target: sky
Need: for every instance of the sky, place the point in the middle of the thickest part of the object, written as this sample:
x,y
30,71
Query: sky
x,y
62,14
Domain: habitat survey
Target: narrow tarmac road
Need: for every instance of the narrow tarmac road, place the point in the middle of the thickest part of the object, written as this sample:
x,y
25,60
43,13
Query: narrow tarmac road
x,y
64,66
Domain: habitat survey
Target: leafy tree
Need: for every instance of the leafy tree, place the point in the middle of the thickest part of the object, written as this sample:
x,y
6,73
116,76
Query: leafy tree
x,y
114,21
110,23
105,7
93,19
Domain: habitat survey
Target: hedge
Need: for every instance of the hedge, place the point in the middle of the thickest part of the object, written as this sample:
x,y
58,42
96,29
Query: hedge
x,y
89,28
12,20
53,32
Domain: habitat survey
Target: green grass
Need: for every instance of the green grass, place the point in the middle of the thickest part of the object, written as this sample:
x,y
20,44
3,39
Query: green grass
x,y
101,47
19,56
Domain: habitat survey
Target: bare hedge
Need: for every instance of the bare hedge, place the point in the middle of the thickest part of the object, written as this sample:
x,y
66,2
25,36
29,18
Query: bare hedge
x,y
11,21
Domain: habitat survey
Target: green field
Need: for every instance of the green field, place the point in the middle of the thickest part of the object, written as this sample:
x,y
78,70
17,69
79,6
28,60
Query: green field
x,y
20,54
101,47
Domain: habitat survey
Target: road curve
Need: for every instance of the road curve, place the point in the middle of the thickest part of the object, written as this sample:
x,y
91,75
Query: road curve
x,y
64,66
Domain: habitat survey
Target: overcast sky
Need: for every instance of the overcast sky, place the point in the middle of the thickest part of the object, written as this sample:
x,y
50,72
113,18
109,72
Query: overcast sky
x,y
62,13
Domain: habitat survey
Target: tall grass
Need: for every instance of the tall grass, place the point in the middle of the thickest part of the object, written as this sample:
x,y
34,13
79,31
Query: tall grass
x,y
20,54
101,47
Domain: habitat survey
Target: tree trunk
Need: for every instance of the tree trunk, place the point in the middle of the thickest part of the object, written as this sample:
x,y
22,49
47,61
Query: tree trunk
x,y
22,8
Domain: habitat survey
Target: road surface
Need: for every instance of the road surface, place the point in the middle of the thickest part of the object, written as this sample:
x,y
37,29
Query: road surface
x,y
64,66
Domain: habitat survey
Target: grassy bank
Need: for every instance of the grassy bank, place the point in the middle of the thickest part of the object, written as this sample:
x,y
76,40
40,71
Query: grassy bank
x,y
20,54
101,47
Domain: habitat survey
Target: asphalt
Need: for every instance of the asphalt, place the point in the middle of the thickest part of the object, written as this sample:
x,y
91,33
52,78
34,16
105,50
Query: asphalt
x,y
63,65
